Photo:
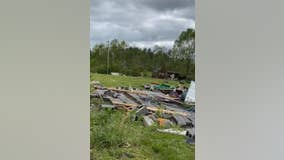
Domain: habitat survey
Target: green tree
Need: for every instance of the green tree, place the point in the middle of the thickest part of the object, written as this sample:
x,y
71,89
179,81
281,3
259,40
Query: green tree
x,y
184,49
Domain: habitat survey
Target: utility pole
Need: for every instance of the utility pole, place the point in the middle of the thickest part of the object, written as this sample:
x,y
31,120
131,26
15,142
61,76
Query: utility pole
x,y
108,58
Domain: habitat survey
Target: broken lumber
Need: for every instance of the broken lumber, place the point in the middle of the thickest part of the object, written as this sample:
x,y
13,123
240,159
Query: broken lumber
x,y
128,91
124,104
169,98
155,109
142,111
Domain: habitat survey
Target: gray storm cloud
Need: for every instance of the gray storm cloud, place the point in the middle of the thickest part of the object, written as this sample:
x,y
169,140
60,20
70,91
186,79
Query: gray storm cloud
x,y
143,23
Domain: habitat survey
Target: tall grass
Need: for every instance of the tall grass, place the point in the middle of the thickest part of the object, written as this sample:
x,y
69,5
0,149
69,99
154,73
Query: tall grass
x,y
115,136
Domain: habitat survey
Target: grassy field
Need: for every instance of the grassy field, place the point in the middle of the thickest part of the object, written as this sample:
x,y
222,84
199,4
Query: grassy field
x,y
138,82
115,136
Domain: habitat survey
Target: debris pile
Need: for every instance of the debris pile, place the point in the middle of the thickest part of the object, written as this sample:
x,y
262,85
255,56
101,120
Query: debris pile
x,y
153,106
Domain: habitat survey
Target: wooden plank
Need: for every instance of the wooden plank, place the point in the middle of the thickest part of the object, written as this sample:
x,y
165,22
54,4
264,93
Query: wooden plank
x,y
128,91
155,109
147,94
124,104
169,98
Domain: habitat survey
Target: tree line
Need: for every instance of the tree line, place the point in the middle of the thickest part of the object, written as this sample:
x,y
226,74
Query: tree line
x,y
119,56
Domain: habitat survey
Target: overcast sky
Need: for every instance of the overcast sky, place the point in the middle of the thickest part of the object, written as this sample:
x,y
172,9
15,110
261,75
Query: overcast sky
x,y
143,23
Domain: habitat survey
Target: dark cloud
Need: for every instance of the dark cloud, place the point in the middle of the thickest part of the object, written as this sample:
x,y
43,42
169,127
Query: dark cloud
x,y
140,22
163,5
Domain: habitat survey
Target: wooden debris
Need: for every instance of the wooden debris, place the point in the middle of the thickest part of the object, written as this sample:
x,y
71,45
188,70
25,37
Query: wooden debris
x,y
164,122
125,106
128,91
169,98
181,120
142,111
155,109
134,97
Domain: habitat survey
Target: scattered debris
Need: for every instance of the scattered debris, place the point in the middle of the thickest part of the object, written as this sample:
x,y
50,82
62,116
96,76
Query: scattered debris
x,y
147,121
174,94
108,106
155,109
147,86
164,122
153,117
190,132
190,95
181,120
153,105
173,131
190,136
142,111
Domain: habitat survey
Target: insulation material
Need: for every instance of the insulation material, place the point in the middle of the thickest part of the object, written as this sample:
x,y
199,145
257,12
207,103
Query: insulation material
x,y
190,95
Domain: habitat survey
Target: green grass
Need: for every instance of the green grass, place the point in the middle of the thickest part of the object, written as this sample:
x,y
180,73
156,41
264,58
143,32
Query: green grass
x,y
137,82
115,136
